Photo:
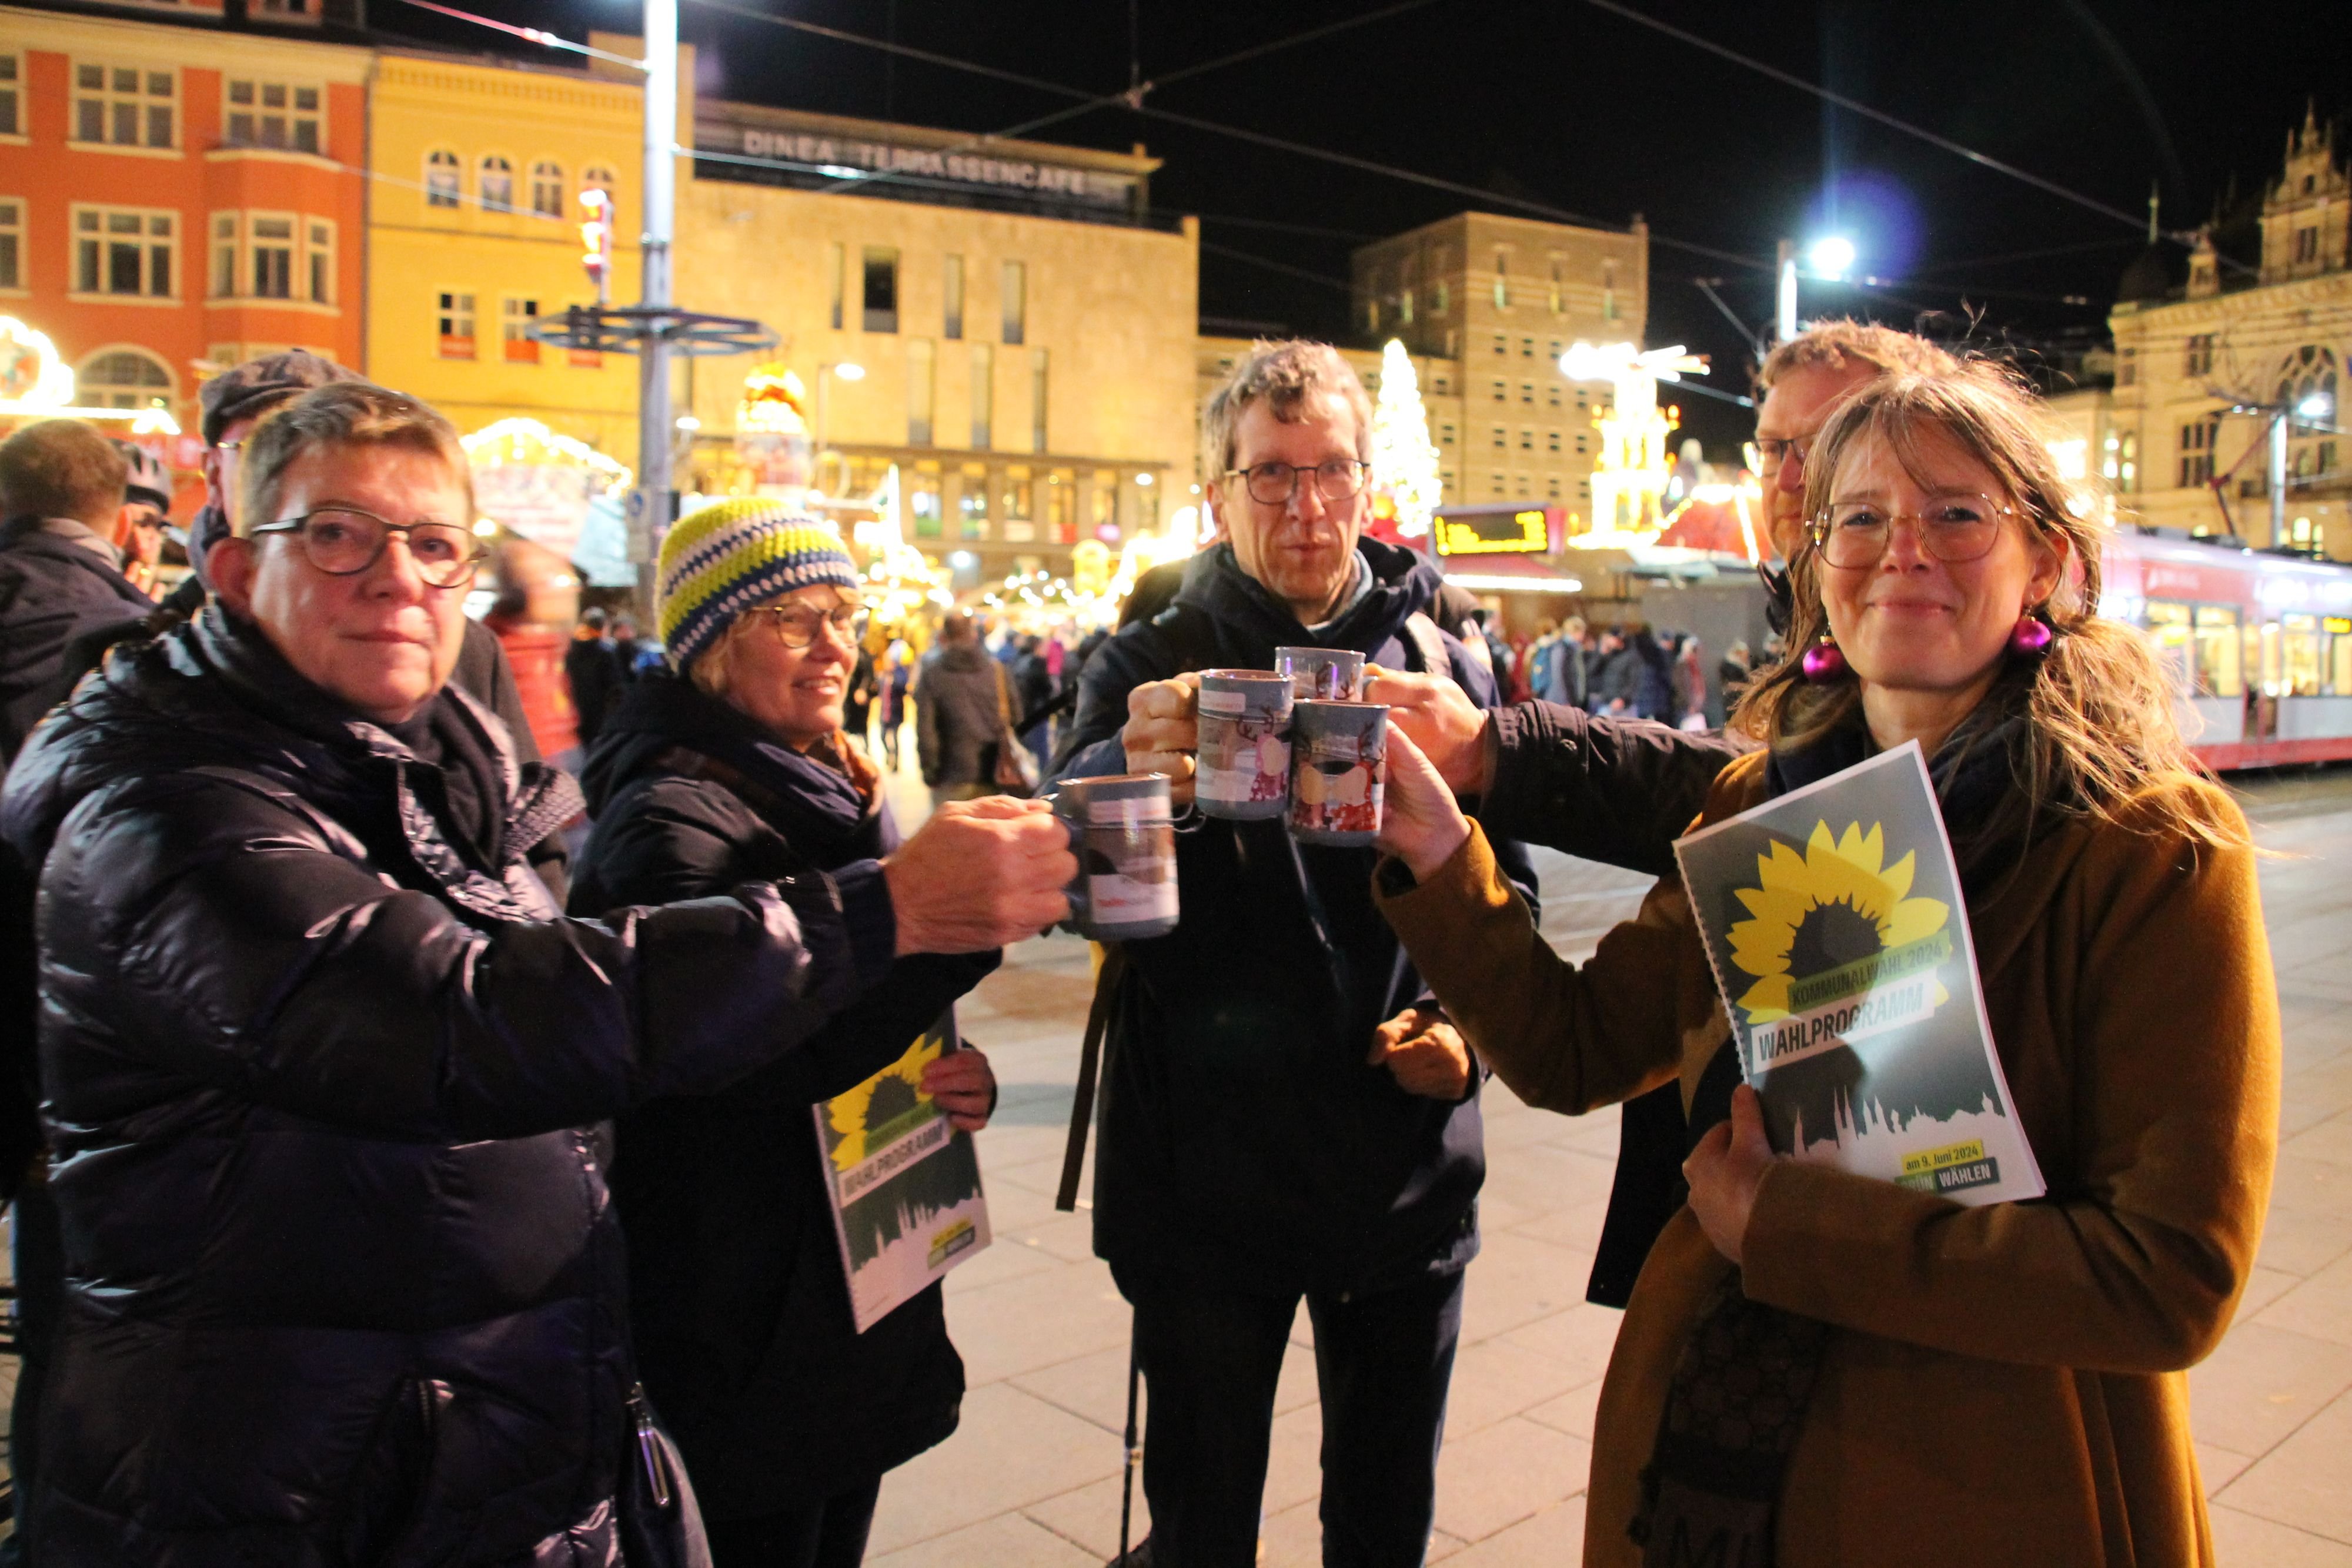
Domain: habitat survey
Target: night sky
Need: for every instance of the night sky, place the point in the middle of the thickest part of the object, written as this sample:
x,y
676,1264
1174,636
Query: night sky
x,y
1568,105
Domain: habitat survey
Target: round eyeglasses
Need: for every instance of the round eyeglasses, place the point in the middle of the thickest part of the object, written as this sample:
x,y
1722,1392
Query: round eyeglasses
x,y
343,541
1851,535
1272,483
797,625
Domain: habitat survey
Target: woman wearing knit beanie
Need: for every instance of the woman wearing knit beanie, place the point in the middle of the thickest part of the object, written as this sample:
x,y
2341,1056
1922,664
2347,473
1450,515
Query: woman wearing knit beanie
x,y
730,767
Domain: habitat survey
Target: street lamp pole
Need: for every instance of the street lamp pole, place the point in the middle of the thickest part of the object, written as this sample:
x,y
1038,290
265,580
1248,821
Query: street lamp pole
x,y
652,506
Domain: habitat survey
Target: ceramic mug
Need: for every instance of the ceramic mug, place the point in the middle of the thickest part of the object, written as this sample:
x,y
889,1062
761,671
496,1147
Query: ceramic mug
x,y
1323,674
1124,833
1245,747
1335,752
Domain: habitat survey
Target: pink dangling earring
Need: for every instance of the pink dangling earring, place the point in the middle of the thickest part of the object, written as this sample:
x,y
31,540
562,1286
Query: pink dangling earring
x,y
2030,637
1823,662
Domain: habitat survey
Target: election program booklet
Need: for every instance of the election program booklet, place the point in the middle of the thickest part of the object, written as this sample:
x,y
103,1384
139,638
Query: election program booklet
x,y
1835,925
904,1181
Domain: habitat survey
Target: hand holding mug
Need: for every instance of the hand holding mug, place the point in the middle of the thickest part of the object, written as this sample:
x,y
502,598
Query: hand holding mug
x,y
978,874
1162,733
1439,717
1423,825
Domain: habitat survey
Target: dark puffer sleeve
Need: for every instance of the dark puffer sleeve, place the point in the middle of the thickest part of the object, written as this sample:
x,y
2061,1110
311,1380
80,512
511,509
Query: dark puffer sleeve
x,y
1619,791
214,928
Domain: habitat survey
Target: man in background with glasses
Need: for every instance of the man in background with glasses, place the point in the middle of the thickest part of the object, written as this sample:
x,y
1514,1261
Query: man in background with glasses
x,y
1284,1113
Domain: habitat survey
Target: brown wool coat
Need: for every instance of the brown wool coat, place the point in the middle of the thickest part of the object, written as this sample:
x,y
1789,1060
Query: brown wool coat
x,y
2006,1384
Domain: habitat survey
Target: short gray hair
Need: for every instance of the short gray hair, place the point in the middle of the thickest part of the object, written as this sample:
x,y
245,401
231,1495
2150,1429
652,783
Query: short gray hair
x,y
350,415
1286,374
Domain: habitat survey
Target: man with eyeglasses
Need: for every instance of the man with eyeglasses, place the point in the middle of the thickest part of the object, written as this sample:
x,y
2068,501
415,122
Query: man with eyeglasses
x,y
324,1064
1284,1114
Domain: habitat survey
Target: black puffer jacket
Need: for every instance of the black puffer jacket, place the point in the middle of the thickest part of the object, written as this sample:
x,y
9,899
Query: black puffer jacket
x,y
343,1283
737,1296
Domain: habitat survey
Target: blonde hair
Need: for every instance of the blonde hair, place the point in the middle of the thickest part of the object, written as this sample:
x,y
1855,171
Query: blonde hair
x,y
2098,719
1286,374
347,415
1836,345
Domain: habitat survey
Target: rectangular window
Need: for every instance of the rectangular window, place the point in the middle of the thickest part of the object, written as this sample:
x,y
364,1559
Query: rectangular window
x,y
1502,344
923,500
224,252
952,290
1502,391
125,106
456,317
881,289
2197,359
319,258
1527,394
1446,434
1502,286
972,504
2197,454
124,250
515,320
1556,304
2306,244
922,381
12,67
1017,300
1551,439
12,244
1037,382
1551,394
1062,509
273,259
284,115
1552,487
1609,291
836,269
1527,348
984,385
1527,440
1502,439
1442,299
2126,367
546,190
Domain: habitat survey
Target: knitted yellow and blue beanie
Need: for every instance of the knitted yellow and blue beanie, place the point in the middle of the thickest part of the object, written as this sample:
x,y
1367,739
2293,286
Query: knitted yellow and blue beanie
x,y
726,559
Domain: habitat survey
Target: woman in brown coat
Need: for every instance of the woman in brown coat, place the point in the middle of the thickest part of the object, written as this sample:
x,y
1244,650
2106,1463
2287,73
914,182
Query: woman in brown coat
x,y
1817,1368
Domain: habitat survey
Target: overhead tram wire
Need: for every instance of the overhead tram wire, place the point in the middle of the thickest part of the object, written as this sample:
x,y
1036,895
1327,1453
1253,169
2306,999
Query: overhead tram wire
x,y
1856,106
1282,266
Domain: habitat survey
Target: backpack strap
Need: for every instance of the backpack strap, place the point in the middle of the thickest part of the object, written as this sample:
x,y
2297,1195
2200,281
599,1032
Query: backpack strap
x,y
1082,1102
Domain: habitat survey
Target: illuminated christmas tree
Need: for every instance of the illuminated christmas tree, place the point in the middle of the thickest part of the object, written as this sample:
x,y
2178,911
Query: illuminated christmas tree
x,y
1405,460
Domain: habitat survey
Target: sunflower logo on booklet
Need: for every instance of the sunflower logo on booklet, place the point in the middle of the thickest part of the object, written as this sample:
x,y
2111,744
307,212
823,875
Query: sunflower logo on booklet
x,y
1849,984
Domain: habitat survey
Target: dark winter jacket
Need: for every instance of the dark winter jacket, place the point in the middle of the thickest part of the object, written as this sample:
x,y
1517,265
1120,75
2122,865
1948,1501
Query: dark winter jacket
x,y
1244,1134
958,715
593,669
739,1305
52,590
343,1284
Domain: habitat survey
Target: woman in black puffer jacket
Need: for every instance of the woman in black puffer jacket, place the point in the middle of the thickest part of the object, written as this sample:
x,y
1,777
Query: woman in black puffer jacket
x,y
786,1415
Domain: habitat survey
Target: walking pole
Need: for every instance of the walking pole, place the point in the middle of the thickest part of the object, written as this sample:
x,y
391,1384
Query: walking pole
x,y
1134,1451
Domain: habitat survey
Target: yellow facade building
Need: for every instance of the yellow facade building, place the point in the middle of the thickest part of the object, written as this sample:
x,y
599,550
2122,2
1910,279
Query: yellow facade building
x,y
2201,369
473,234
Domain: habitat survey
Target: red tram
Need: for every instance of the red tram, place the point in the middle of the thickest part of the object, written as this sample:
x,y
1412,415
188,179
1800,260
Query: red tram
x,y
2261,643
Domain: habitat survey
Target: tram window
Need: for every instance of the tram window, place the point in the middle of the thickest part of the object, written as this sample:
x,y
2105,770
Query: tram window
x,y
2169,629
2339,656
2218,668
2301,636
2262,653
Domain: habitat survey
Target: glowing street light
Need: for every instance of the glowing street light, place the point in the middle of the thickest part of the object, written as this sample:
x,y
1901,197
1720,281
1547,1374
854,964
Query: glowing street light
x,y
1831,257
2318,405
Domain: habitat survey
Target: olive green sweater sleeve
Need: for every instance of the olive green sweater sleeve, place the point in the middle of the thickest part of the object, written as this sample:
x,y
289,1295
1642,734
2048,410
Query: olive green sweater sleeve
x,y
2134,1260
1564,1038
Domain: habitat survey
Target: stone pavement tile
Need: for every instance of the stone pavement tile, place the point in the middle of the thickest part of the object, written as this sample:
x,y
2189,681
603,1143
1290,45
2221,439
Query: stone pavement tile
x,y
1540,1176
2265,1286
1037,1320
1574,1412
1012,1450
2312,1186
2299,1243
1089,1516
1000,1542
1511,1123
1004,1257
1297,1385
2261,1384
1042,1175
2247,1541
1093,1386
1595,1133
2320,1306
2217,1466
2305,1480
2318,1030
2320,978
1550,1539
1492,1478
1581,1337
2313,1094
1516,1279
1293,1537
2330,1140
1575,1226
1496,1379
1294,1464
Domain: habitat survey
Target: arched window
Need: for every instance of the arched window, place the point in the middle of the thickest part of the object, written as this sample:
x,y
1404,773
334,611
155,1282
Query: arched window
x,y
122,378
546,190
496,187
441,168
597,177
